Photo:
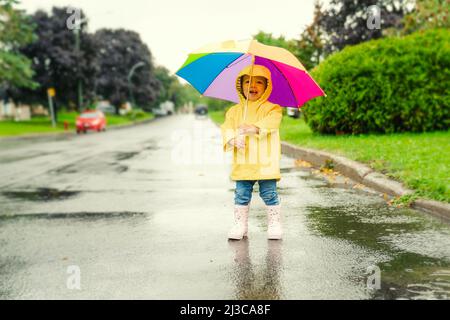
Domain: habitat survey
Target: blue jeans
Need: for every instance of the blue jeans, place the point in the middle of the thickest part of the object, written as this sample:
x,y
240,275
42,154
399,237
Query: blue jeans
x,y
267,191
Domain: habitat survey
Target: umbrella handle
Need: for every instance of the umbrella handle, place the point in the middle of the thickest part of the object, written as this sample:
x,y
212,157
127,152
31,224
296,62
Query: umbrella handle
x,y
248,90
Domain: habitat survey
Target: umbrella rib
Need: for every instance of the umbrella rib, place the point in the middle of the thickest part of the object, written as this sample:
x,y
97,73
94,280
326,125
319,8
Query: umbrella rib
x,y
222,71
289,84
236,61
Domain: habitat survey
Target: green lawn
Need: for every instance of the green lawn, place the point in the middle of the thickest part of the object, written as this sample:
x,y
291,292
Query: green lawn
x,y
420,160
43,124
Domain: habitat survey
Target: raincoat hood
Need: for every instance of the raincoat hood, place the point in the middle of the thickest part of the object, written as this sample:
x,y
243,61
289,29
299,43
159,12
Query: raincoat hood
x,y
254,71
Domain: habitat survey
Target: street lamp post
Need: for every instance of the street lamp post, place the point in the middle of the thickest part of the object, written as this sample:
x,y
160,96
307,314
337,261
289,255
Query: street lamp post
x,y
50,94
130,75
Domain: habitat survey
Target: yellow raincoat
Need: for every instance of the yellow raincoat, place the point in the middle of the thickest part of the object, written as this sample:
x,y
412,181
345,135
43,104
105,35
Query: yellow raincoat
x,y
260,160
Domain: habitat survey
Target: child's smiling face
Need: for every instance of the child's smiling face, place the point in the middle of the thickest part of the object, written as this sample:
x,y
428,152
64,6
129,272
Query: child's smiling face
x,y
257,87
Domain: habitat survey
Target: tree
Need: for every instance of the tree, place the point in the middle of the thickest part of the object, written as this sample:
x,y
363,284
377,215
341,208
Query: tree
x,y
345,22
15,30
428,14
183,93
166,80
270,40
119,51
56,62
310,45
308,49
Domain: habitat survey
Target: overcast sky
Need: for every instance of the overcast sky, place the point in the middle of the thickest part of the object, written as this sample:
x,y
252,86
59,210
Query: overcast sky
x,y
173,28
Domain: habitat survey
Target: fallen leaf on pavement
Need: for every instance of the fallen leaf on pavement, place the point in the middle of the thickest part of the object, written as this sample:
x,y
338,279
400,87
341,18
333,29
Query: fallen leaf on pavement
x,y
302,163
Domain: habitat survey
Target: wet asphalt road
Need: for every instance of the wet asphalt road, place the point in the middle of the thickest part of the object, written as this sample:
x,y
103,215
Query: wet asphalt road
x,y
143,213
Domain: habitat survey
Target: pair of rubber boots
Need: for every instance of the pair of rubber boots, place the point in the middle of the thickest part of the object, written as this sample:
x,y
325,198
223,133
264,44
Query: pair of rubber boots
x,y
240,227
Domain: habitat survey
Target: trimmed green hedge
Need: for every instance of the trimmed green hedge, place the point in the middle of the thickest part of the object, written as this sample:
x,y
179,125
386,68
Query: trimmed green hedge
x,y
386,85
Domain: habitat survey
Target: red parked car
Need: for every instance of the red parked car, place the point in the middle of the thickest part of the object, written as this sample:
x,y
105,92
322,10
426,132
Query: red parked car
x,y
91,120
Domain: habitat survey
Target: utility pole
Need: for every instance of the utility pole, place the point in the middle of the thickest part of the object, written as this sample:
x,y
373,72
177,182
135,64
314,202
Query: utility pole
x,y
51,94
77,50
74,22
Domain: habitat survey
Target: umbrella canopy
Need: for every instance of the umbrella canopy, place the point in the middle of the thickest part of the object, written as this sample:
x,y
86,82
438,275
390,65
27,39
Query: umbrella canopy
x,y
213,69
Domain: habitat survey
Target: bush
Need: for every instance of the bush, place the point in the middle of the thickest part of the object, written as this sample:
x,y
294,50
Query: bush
x,y
387,85
136,114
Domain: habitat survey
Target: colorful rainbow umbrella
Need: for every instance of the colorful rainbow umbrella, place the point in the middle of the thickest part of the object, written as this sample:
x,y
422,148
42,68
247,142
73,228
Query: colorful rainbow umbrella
x,y
213,69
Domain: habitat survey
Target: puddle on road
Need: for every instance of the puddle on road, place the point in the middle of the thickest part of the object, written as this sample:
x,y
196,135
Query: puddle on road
x,y
41,194
411,248
339,181
418,246
94,166
84,216
28,155
147,171
150,145
121,156
37,249
120,168
293,169
70,168
251,282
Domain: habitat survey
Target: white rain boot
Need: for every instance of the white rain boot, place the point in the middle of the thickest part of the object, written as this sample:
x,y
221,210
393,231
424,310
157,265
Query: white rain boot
x,y
274,230
240,228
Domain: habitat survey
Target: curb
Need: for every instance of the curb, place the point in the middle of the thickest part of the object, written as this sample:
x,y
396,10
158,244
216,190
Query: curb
x,y
72,132
367,176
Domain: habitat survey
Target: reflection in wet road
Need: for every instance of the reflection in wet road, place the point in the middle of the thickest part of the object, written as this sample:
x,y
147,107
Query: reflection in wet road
x,y
144,213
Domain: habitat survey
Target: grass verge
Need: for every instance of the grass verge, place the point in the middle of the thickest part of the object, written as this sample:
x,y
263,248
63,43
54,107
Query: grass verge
x,y
43,124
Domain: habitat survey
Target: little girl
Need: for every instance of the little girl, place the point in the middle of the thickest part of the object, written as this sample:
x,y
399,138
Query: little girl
x,y
251,131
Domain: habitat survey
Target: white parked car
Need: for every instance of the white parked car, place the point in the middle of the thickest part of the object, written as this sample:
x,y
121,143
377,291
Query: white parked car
x,y
293,112
166,108
105,107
